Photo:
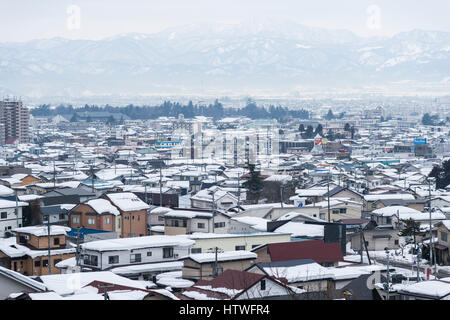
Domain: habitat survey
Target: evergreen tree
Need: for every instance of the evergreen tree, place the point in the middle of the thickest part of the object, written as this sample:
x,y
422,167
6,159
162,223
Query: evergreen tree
x,y
309,133
441,174
347,127
74,118
254,183
426,120
330,115
301,128
319,130
352,130
411,229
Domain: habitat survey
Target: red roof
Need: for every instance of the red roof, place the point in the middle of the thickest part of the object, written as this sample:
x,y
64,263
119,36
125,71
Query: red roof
x,y
316,250
230,279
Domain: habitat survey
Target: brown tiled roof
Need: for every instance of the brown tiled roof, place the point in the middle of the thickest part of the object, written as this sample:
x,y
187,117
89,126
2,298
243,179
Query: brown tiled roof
x,y
316,250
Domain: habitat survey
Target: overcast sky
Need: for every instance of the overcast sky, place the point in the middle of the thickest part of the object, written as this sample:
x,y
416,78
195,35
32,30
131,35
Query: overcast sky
x,y
22,20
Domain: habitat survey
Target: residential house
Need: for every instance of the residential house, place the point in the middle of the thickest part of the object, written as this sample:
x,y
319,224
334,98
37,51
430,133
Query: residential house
x,y
113,253
325,254
133,211
97,214
205,266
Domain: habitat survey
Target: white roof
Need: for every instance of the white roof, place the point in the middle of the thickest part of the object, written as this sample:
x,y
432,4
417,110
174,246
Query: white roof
x,y
127,201
102,206
137,242
255,222
5,191
188,214
300,229
149,267
69,283
11,204
395,196
40,231
304,272
222,256
432,288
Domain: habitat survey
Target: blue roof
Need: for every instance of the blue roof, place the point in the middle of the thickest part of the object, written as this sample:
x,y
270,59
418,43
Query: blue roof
x,y
83,231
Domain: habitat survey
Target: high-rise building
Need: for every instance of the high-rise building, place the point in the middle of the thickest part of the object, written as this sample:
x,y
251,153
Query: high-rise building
x,y
14,122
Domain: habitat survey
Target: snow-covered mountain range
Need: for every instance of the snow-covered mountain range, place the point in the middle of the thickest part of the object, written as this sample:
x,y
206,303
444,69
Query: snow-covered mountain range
x,y
240,57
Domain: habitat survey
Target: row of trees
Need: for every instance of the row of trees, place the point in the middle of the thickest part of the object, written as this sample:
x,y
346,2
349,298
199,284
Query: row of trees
x,y
310,132
173,109
441,174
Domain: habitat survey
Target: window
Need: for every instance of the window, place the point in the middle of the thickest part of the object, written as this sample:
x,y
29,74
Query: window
x,y
196,250
219,225
91,221
135,258
55,241
160,218
335,211
149,254
107,220
201,225
4,215
45,263
75,219
139,218
62,216
113,259
90,260
396,242
167,252
444,236
37,263
343,210
263,284
237,248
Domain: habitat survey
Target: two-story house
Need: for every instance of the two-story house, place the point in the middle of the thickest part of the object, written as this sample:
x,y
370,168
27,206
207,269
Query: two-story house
x,y
112,253
133,211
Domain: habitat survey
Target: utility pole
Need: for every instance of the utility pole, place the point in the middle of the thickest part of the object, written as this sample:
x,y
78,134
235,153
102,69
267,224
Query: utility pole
x,y
387,274
160,184
239,193
54,175
213,211
432,254
328,187
281,194
17,209
419,256
105,290
48,241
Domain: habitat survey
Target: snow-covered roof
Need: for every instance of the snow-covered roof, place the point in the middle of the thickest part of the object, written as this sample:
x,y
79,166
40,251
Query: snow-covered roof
x,y
303,272
255,222
40,231
395,196
102,206
4,204
137,242
188,214
221,256
127,201
149,267
300,229
69,283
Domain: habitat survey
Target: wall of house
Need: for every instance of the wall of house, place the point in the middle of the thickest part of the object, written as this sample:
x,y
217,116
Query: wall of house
x,y
85,212
125,256
230,243
377,244
134,223
204,271
272,289
10,286
10,222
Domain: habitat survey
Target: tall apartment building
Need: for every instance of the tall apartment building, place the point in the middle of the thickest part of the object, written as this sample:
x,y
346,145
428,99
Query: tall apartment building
x,y
14,121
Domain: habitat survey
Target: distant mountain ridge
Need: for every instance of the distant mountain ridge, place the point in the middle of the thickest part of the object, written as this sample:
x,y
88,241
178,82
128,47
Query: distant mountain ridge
x,y
237,57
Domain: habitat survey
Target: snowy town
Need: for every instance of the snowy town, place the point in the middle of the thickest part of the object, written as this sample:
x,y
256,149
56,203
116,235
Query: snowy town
x,y
233,158
225,209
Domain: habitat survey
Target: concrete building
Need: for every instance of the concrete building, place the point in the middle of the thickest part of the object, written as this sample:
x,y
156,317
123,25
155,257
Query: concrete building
x,y
14,120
